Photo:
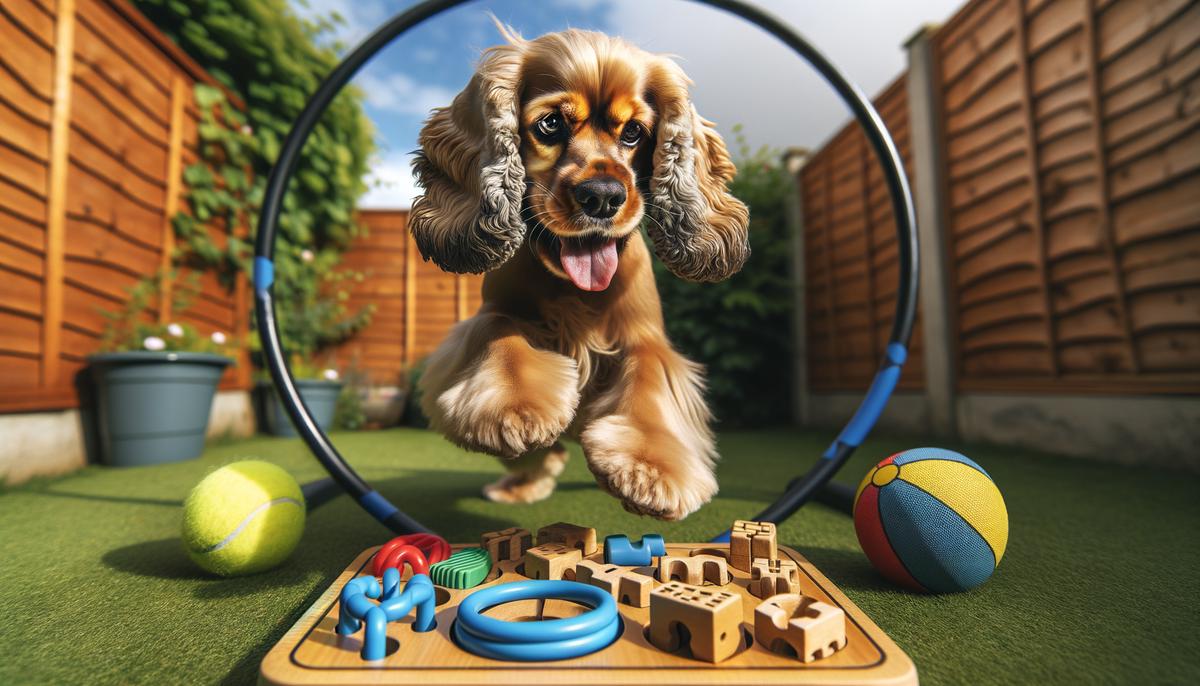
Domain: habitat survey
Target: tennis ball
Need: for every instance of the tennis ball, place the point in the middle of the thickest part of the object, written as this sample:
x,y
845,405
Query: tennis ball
x,y
244,518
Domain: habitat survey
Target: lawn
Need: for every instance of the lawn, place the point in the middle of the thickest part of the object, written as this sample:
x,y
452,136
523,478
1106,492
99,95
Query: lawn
x,y
1099,584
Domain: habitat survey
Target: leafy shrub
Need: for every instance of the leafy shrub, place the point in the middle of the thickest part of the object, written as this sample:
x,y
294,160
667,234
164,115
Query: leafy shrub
x,y
133,328
740,329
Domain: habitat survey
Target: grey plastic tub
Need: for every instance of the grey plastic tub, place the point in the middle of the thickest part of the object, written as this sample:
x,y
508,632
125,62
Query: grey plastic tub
x,y
153,407
320,396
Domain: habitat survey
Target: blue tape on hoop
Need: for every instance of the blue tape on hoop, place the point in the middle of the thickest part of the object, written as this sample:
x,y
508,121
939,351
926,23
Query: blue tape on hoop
x,y
264,273
377,505
872,406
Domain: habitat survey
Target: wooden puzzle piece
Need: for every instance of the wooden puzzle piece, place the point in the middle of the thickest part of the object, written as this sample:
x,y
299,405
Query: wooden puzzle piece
x,y
627,587
508,544
749,541
571,535
696,570
810,627
771,577
619,550
552,561
713,619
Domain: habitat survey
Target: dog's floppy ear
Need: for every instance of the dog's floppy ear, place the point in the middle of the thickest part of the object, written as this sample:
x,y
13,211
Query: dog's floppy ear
x,y
469,219
698,227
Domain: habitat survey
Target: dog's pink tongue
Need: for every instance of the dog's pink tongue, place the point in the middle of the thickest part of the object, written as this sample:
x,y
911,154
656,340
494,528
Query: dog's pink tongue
x,y
590,268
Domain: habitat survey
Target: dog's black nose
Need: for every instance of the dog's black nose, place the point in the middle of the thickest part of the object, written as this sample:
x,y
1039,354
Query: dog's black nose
x,y
600,197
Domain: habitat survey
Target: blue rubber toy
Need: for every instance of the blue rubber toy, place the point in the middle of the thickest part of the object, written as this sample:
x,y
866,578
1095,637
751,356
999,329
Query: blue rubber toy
x,y
394,604
550,639
618,550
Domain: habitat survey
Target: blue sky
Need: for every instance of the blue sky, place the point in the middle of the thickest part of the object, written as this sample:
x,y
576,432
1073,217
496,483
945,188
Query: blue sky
x,y
742,75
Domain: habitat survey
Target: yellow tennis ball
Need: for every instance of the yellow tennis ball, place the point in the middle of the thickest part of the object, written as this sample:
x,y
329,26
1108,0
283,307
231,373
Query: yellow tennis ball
x,y
244,518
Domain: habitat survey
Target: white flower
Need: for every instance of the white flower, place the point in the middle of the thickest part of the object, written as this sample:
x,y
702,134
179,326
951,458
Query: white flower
x,y
218,338
306,255
247,130
154,343
175,330
330,374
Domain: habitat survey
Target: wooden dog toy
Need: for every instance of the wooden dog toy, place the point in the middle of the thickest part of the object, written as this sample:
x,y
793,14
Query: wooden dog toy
x,y
552,561
682,650
749,541
509,544
813,629
712,618
618,550
627,587
696,570
570,535
771,577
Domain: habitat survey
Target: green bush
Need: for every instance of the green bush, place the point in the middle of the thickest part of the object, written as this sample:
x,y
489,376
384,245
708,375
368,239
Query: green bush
x,y
740,329
273,61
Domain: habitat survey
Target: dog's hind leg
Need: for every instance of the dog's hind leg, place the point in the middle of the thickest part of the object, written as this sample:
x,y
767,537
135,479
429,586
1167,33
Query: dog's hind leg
x,y
530,478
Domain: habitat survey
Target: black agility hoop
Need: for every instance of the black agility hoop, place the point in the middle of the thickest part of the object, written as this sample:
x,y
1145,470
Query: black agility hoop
x,y
799,491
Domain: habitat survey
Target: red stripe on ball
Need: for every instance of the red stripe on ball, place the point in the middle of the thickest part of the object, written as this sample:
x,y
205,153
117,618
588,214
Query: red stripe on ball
x,y
874,541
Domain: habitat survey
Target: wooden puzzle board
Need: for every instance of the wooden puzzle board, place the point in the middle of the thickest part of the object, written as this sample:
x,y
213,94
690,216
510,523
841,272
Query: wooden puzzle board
x,y
311,652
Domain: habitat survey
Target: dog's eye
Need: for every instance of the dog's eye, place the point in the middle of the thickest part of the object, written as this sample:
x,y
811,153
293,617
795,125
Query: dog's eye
x,y
631,134
550,127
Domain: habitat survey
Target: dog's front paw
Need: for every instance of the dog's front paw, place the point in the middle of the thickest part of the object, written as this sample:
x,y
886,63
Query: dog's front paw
x,y
651,471
493,412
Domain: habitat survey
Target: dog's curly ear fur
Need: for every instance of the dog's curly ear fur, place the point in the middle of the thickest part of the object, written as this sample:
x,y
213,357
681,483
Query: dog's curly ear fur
x,y
698,227
469,219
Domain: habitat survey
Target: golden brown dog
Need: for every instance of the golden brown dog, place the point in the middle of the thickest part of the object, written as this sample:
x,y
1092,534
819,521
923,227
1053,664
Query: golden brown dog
x,y
540,173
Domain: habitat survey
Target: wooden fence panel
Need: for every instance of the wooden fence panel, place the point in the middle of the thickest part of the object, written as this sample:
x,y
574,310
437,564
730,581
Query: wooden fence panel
x,y
416,302
1071,152
26,108
851,255
96,112
1072,155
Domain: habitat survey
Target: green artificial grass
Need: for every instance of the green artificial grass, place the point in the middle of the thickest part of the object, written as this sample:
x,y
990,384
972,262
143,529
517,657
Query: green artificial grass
x,y
1099,584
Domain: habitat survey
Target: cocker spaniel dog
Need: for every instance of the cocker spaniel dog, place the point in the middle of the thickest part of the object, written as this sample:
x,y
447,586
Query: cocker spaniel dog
x,y
540,173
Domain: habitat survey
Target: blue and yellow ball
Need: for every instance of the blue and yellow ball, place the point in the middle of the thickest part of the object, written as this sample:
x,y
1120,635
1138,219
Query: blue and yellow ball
x,y
931,520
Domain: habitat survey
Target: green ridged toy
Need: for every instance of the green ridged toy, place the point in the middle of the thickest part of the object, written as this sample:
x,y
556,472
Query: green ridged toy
x,y
465,569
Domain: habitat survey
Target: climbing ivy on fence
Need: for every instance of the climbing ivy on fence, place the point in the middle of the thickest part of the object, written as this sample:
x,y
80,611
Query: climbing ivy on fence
x,y
272,60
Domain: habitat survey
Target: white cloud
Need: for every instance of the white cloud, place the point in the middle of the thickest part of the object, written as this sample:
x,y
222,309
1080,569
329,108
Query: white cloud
x,y
743,75
391,182
400,93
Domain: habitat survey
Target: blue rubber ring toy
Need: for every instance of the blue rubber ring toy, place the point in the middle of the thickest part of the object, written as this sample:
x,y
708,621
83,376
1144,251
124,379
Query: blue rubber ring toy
x,y
551,639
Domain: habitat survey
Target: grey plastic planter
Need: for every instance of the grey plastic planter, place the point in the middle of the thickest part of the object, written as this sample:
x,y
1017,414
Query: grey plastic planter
x,y
153,407
320,396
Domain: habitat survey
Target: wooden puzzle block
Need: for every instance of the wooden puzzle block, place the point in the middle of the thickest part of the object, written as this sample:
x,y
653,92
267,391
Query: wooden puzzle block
x,y
696,570
570,535
508,544
772,577
811,628
619,550
749,541
713,619
552,561
627,587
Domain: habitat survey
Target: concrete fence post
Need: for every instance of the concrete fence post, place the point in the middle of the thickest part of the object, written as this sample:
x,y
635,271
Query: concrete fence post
x,y
937,323
794,160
